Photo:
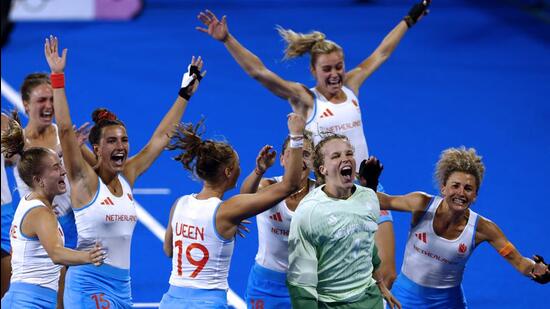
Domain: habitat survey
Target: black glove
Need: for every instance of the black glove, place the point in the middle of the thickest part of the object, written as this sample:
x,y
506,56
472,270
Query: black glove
x,y
369,172
188,81
416,11
545,278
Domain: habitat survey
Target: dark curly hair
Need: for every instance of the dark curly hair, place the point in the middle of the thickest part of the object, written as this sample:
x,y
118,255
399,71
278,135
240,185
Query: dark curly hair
x,y
204,158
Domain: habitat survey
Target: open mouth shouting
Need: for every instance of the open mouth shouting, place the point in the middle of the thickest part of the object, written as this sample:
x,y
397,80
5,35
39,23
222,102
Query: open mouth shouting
x,y
62,185
334,82
347,173
46,116
118,158
459,201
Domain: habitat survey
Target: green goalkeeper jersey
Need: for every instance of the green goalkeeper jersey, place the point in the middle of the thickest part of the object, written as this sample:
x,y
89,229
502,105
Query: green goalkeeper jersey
x,y
331,245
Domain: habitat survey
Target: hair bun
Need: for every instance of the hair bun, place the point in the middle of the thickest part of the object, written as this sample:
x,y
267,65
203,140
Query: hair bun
x,y
103,114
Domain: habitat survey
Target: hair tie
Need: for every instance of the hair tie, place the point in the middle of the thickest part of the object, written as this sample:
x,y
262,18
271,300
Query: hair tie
x,y
105,115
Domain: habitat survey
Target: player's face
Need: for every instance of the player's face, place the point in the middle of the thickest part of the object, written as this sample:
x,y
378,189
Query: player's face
x,y
113,148
40,105
339,164
307,158
460,191
329,72
52,178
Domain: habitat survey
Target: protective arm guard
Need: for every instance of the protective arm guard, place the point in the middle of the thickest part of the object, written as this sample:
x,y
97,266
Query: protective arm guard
x,y
188,80
416,12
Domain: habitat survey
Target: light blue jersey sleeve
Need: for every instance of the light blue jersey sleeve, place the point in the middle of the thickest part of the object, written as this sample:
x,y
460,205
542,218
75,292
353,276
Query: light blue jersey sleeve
x,y
385,215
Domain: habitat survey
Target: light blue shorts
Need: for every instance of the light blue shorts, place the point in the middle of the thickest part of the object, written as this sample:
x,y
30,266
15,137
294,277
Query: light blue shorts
x,y
89,286
266,289
7,218
26,295
68,225
184,298
412,295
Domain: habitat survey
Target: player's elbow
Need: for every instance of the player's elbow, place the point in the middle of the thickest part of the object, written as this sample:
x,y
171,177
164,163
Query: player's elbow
x,y
292,184
256,73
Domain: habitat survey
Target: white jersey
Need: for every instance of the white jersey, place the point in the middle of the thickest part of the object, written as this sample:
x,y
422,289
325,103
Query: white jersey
x,y
109,220
30,262
433,261
201,257
6,193
62,202
273,229
341,118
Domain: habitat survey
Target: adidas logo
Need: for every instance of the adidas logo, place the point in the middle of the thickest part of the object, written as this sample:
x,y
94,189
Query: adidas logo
x,y
421,236
107,201
327,113
277,217
130,197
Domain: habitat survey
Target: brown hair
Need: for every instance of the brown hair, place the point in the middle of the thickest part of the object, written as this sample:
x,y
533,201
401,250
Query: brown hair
x,y
204,158
459,160
32,81
30,162
313,42
319,158
102,118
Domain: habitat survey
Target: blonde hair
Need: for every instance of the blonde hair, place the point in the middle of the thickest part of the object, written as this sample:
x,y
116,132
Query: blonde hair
x,y
319,155
459,160
13,141
314,42
30,161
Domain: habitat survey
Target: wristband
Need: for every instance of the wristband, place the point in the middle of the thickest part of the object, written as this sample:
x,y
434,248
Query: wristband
x,y
409,21
57,80
296,137
183,93
296,143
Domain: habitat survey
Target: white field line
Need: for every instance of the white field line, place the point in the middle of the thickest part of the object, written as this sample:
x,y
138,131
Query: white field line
x,y
152,191
146,305
144,217
12,96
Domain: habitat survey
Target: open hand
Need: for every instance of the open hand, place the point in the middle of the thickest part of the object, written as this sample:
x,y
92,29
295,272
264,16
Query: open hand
x,y
242,228
215,28
56,63
82,133
265,158
191,78
97,255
